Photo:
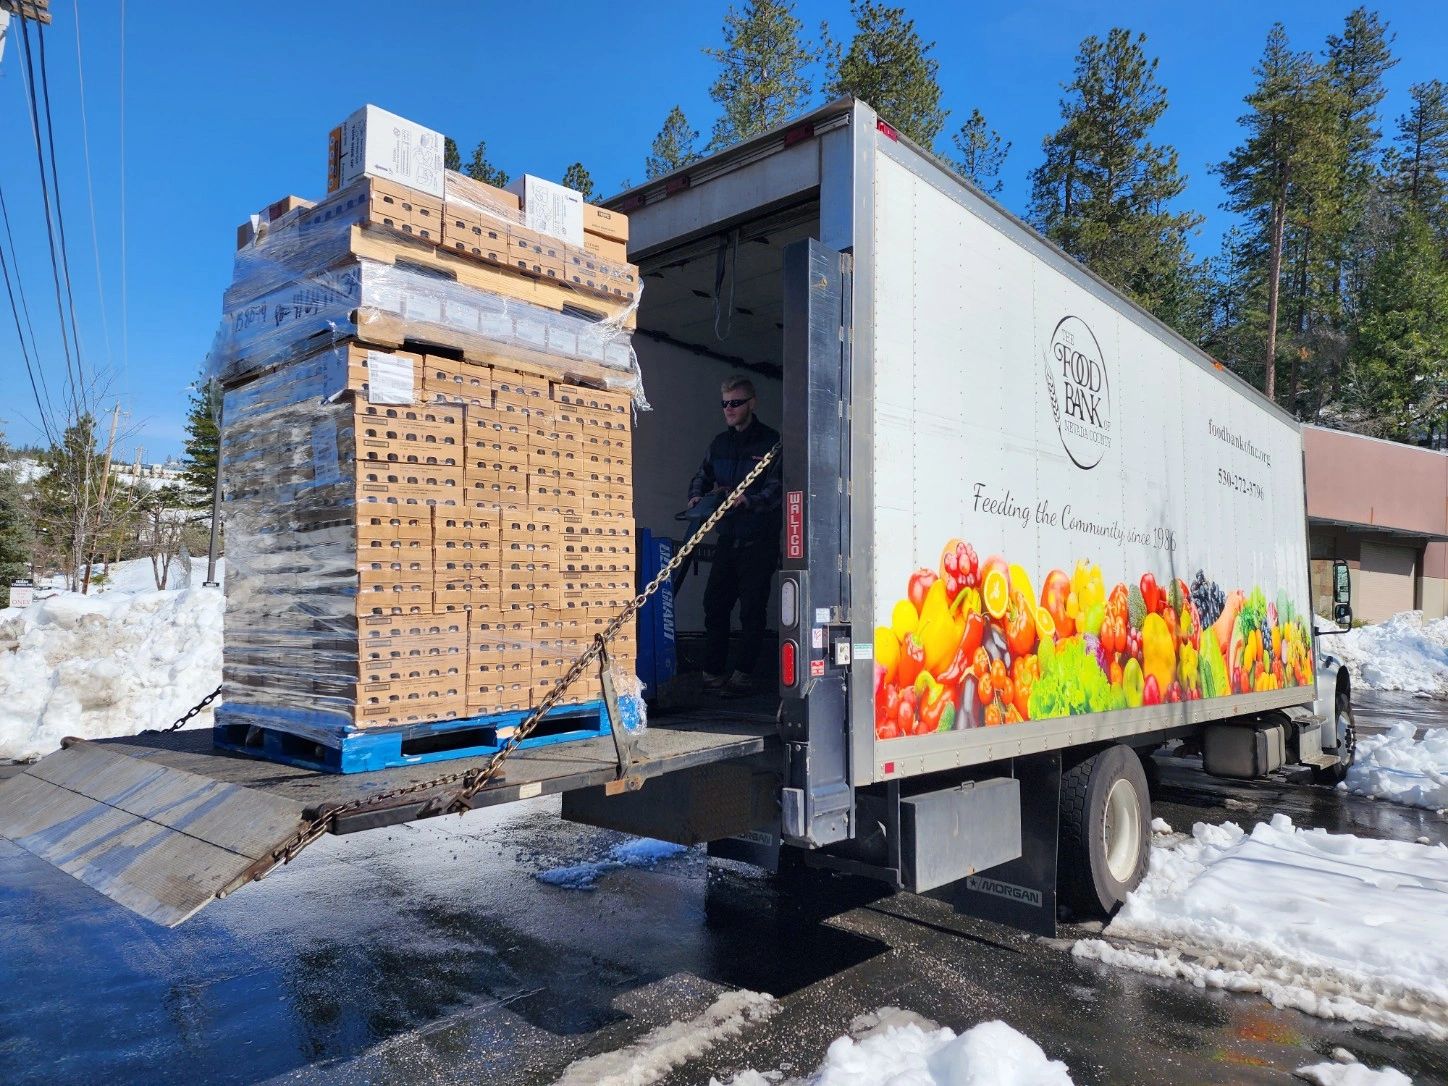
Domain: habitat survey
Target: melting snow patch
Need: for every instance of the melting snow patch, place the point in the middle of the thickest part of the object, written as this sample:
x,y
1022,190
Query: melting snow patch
x,y
641,853
897,1048
105,665
1403,653
1398,767
1160,825
661,1050
1338,926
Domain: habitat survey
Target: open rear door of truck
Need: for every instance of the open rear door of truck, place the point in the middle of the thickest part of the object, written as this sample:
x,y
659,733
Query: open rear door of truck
x,y
164,824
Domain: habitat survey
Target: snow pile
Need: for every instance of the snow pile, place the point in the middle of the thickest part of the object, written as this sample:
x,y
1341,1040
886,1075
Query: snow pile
x,y
661,1050
1335,925
1403,653
641,853
1396,766
110,664
1352,1074
900,1049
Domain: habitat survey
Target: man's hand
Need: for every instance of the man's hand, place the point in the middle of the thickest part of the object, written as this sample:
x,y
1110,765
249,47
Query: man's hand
x,y
693,502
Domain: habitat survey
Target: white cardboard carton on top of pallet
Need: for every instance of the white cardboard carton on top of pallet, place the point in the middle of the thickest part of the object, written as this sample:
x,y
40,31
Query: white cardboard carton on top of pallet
x,y
375,143
551,208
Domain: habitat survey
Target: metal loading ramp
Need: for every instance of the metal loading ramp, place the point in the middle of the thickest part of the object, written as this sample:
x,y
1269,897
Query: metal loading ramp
x,y
165,824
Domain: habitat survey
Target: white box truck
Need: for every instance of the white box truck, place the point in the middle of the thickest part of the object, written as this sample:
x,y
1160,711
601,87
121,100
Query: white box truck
x,y
1030,535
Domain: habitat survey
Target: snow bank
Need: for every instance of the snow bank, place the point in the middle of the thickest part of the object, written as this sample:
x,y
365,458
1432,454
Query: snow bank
x,y
1396,766
109,664
1404,653
644,852
900,1049
661,1050
1352,1074
1335,925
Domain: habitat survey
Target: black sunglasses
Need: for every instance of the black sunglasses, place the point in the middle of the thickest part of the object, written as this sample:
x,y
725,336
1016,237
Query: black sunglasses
x,y
735,403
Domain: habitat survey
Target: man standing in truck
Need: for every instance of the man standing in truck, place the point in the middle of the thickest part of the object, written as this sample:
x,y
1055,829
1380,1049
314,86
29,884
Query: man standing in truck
x,y
747,551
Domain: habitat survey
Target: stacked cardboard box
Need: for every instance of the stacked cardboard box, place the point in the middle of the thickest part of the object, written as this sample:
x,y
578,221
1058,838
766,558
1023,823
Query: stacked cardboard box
x,y
424,525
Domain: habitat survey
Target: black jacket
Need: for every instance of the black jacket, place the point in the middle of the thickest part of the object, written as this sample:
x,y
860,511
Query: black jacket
x,y
732,455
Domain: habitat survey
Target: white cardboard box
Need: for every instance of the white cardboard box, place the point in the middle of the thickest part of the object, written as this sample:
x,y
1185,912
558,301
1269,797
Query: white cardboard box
x,y
375,143
550,208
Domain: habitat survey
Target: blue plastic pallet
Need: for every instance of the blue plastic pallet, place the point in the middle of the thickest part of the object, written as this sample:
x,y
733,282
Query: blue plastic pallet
x,y
264,732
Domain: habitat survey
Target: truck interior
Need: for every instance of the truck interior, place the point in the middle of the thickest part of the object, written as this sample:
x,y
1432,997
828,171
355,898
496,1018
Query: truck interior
x,y
712,307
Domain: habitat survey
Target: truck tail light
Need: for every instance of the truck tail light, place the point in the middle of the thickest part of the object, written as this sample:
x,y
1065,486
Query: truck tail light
x,y
788,603
788,663
887,130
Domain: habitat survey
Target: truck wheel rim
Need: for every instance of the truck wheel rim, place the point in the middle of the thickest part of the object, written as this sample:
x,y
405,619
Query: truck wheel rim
x,y
1121,831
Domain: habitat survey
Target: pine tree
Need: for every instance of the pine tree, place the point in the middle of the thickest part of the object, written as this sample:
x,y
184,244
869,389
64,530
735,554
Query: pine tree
x,y
480,169
452,159
1356,62
1327,243
15,533
1398,371
1104,192
763,79
888,66
1282,171
578,179
203,444
982,153
673,148
1418,167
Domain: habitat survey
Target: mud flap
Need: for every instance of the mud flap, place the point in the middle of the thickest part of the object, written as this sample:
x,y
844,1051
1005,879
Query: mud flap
x,y
160,841
1021,893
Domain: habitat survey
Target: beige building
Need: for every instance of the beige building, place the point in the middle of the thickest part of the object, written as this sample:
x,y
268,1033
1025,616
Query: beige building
x,y
1383,509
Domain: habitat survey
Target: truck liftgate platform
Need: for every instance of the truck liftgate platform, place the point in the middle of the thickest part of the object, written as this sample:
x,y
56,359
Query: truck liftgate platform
x,y
163,824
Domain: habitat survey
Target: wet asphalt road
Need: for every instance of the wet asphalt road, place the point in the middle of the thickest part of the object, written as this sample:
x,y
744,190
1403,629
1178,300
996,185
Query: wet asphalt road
x,y
432,954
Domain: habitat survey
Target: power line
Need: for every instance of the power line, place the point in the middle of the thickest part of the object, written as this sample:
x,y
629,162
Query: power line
x,y
125,307
90,190
24,353
59,206
20,289
45,196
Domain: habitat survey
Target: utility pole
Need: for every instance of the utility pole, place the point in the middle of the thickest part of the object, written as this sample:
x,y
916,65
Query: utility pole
x,y
34,10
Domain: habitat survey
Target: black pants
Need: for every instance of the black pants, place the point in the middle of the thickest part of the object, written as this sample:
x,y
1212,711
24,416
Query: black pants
x,y
743,573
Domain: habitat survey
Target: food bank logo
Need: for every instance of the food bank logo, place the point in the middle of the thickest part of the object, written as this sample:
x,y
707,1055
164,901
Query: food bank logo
x,y
1080,392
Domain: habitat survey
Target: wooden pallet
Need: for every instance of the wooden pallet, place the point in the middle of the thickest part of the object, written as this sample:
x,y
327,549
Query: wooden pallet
x,y
395,333
388,247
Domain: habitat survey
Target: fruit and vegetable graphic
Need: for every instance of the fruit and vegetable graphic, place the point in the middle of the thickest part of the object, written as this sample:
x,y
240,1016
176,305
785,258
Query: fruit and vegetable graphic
x,y
972,644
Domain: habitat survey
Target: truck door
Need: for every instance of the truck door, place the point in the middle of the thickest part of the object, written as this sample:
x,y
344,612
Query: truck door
x,y
814,582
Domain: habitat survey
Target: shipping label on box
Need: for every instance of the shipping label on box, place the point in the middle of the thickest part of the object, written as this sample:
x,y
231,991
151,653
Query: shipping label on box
x,y
550,208
375,143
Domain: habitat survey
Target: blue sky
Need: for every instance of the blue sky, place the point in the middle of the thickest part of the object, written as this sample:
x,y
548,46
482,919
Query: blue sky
x,y
227,107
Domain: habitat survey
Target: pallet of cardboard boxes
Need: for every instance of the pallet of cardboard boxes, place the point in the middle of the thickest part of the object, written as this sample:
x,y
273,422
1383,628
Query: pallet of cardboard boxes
x,y
426,459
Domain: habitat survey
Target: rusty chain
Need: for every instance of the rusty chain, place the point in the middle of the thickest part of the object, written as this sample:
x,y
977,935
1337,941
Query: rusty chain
x,y
475,780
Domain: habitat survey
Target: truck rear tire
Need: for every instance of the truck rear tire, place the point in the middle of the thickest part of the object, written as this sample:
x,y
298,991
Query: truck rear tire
x,y
1105,831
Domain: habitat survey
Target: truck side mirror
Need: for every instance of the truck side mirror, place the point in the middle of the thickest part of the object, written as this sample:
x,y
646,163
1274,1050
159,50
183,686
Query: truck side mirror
x,y
1341,584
